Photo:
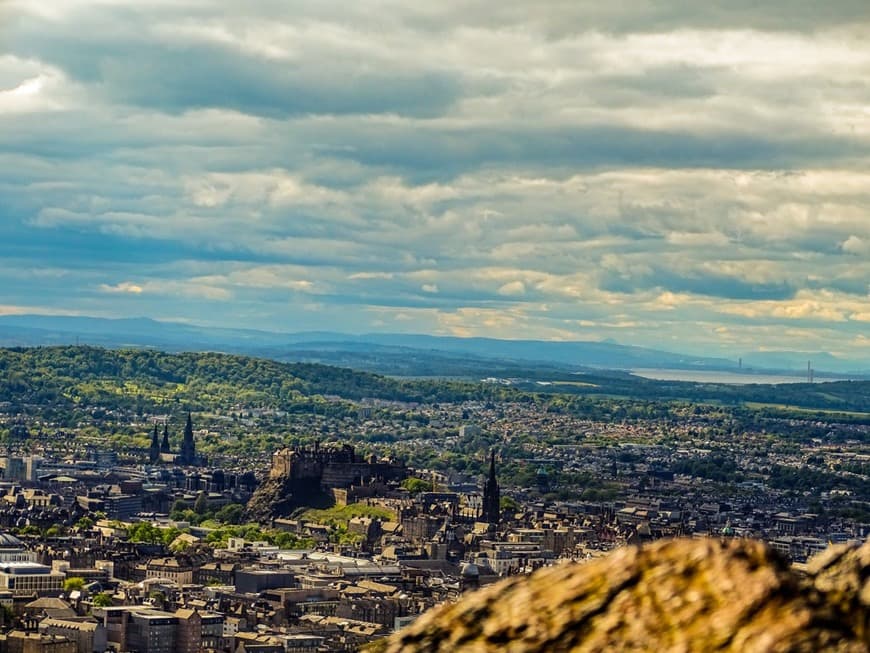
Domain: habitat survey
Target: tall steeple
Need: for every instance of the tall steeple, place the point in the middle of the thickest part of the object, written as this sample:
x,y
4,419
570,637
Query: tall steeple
x,y
188,445
491,495
164,446
154,450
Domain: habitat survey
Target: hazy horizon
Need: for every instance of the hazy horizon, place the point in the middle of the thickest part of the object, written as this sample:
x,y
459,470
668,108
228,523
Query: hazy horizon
x,y
679,177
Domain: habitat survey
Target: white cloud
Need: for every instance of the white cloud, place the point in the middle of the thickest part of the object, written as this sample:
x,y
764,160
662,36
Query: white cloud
x,y
6,309
371,275
512,289
650,169
123,287
203,288
857,246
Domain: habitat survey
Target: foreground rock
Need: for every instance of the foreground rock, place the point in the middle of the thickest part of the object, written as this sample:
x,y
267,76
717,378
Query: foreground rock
x,y
684,595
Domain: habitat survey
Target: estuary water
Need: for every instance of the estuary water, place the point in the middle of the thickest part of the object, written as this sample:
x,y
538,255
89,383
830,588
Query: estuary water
x,y
716,376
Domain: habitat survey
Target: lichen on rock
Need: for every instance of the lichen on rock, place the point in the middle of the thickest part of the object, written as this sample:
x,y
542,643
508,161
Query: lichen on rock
x,y
680,595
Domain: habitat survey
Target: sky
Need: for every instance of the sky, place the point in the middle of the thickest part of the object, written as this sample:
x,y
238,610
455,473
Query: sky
x,y
689,176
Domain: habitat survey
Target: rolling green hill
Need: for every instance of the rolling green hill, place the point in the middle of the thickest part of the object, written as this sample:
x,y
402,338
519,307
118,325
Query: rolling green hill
x,y
90,376
122,378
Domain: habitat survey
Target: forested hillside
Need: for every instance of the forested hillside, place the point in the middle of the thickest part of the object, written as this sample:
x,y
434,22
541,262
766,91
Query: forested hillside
x,y
88,375
144,378
846,396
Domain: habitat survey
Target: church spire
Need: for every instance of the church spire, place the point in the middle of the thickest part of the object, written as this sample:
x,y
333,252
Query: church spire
x,y
164,446
188,445
154,449
491,495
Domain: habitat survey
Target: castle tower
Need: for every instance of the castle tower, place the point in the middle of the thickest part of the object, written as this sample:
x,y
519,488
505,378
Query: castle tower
x,y
491,496
154,449
164,446
187,455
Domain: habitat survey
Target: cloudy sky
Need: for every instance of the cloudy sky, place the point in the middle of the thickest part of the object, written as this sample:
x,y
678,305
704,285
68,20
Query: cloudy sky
x,y
662,173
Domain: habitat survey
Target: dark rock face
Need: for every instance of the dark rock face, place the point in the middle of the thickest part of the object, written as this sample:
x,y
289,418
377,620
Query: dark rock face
x,y
682,595
279,496
309,476
267,500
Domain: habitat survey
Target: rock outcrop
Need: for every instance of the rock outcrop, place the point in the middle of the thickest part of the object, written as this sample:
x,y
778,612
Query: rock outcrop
x,y
272,498
312,477
682,595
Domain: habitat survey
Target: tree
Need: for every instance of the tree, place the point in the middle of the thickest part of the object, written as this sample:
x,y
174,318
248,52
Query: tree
x,y
85,524
416,485
231,513
102,600
507,503
73,583
157,598
145,532
200,506
189,516
7,617
169,534
178,507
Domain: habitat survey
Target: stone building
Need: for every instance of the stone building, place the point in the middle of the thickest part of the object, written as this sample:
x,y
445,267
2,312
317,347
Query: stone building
x,y
179,569
18,641
88,634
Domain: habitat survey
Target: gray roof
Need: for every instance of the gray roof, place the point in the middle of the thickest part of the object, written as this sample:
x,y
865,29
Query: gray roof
x,y
8,541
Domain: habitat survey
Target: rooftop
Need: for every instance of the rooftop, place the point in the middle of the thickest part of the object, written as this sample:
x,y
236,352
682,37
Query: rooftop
x,y
8,541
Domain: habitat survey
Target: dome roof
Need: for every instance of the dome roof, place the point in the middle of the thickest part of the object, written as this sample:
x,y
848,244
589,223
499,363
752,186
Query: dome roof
x,y
470,570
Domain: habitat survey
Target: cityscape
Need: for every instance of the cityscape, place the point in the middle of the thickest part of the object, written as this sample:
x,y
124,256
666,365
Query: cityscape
x,y
127,527
434,327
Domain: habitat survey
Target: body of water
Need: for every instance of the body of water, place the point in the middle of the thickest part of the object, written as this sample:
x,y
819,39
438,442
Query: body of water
x,y
716,376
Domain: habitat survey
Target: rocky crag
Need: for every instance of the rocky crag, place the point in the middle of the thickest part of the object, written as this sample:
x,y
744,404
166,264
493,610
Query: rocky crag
x,y
313,477
274,497
295,481
682,595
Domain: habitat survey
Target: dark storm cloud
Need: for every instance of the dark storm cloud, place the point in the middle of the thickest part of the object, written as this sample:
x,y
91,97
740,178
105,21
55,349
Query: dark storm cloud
x,y
563,17
711,285
124,65
437,153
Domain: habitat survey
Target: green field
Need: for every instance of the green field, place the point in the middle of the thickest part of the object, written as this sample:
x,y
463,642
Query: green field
x,y
756,405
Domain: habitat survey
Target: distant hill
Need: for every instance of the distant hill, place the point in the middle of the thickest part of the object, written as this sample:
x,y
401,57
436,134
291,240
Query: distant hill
x,y
797,360
36,330
147,378
131,378
574,353
395,354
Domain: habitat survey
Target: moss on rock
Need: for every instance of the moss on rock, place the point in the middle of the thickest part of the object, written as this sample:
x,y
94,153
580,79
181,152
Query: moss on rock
x,y
681,595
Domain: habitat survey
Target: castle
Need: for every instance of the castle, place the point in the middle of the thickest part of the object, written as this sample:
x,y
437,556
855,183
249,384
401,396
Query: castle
x,y
332,467
306,476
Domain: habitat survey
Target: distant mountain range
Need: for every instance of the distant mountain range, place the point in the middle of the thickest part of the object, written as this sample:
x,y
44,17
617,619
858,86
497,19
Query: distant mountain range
x,y
402,354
